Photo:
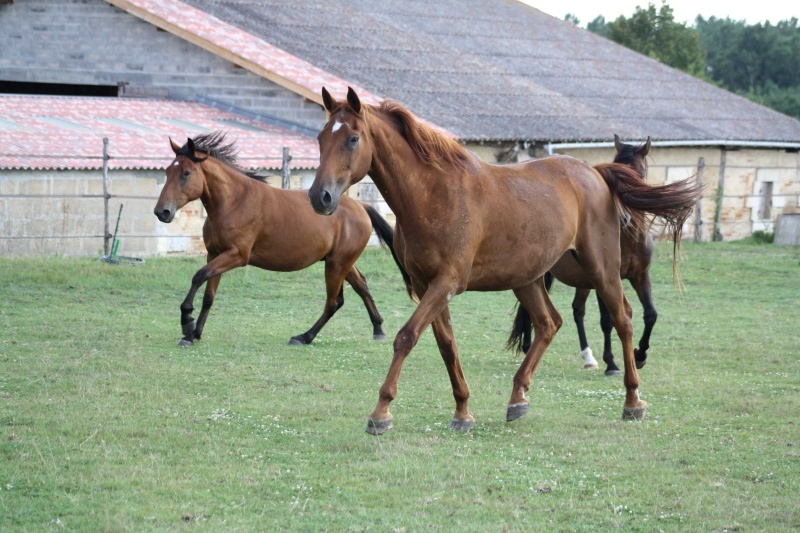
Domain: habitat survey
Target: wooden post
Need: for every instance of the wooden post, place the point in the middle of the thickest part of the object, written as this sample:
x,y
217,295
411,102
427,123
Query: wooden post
x,y
698,215
720,193
286,171
106,196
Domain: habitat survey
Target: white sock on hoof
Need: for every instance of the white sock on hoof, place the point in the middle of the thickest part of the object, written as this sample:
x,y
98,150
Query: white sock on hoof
x,y
588,357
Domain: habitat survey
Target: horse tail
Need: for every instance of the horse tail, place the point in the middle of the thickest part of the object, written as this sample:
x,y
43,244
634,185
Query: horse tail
x,y
521,326
673,203
385,235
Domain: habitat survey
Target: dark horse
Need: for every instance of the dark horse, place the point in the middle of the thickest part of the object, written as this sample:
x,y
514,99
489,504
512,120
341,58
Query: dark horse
x,y
464,224
251,223
636,247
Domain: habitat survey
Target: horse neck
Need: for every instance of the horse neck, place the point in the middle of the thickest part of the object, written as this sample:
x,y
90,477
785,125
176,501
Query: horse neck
x,y
223,186
396,170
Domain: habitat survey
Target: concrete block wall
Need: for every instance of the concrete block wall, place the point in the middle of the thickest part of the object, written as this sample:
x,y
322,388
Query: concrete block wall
x,y
90,42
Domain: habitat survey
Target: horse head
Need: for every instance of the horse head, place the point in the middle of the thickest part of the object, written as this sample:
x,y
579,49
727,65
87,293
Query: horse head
x,y
345,151
633,156
184,181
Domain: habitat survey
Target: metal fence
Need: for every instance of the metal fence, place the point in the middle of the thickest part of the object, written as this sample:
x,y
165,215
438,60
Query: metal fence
x,y
716,196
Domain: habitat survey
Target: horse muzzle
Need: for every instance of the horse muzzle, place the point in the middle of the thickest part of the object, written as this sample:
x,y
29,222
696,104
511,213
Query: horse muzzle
x,y
164,215
324,200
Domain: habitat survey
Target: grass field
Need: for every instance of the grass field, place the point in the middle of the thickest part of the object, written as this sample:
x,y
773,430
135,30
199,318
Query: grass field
x,y
107,425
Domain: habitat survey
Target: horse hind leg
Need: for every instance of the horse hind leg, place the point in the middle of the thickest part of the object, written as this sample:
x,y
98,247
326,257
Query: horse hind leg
x,y
358,281
546,322
610,291
333,302
606,325
443,332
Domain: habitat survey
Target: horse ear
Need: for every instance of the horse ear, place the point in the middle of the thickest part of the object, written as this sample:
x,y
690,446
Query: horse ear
x,y
644,150
327,100
617,143
175,147
352,99
190,147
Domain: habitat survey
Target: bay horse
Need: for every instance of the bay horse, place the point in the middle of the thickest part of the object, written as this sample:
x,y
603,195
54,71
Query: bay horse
x,y
464,224
636,247
250,222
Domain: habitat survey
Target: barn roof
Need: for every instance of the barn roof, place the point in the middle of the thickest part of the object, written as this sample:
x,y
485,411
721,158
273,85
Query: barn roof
x,y
489,69
49,132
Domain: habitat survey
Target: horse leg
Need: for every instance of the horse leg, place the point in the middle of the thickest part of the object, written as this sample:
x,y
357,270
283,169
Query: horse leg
x,y
433,303
208,301
443,332
525,318
605,324
546,322
214,268
578,312
610,290
643,288
359,283
334,278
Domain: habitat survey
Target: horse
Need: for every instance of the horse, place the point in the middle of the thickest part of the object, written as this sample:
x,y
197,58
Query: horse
x,y
251,223
464,224
636,246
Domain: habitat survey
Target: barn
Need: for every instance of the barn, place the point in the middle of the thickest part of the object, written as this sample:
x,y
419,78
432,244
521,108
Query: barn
x,y
91,90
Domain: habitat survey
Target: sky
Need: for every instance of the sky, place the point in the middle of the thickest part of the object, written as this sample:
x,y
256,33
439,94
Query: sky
x,y
685,11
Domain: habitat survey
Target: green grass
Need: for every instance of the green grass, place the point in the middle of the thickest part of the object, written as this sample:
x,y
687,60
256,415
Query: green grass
x,y
107,425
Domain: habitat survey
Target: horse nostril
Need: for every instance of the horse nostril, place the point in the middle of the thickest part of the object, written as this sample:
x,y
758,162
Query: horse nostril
x,y
325,198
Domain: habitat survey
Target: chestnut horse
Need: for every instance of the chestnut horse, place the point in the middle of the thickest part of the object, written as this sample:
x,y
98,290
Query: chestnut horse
x,y
251,223
636,246
464,224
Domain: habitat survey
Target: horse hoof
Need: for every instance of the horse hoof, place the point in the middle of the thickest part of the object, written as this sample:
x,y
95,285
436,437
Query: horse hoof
x,y
380,337
185,342
516,410
590,367
462,425
614,372
297,341
639,365
379,426
634,413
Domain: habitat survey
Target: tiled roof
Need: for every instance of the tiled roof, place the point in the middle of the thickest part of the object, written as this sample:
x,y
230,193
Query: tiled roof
x,y
497,69
47,132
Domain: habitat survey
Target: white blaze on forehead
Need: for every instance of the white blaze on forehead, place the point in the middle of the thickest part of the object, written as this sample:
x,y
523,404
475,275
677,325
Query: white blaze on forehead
x,y
336,126
175,164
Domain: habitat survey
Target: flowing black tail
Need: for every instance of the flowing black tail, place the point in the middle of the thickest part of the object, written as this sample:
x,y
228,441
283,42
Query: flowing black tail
x,y
385,235
673,203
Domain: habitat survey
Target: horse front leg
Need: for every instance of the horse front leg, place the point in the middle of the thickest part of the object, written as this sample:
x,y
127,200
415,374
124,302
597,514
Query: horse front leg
x,y
432,304
606,325
578,314
546,322
214,268
643,290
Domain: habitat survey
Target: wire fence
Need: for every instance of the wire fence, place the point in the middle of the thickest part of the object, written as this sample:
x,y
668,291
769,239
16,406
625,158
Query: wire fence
x,y
721,200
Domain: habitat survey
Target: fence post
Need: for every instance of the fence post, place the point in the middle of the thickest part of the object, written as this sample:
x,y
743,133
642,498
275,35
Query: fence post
x,y
285,169
720,192
106,196
698,220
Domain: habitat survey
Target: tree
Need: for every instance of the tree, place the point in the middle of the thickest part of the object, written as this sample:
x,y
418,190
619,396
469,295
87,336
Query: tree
x,y
656,34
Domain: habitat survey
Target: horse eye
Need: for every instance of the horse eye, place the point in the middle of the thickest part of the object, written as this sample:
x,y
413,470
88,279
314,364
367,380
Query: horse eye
x,y
353,140
187,173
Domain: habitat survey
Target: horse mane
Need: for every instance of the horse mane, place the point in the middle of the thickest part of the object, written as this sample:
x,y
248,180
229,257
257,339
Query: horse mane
x,y
213,144
429,145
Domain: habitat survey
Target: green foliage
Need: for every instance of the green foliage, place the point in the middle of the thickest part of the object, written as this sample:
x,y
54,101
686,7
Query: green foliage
x,y
759,61
656,34
107,425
